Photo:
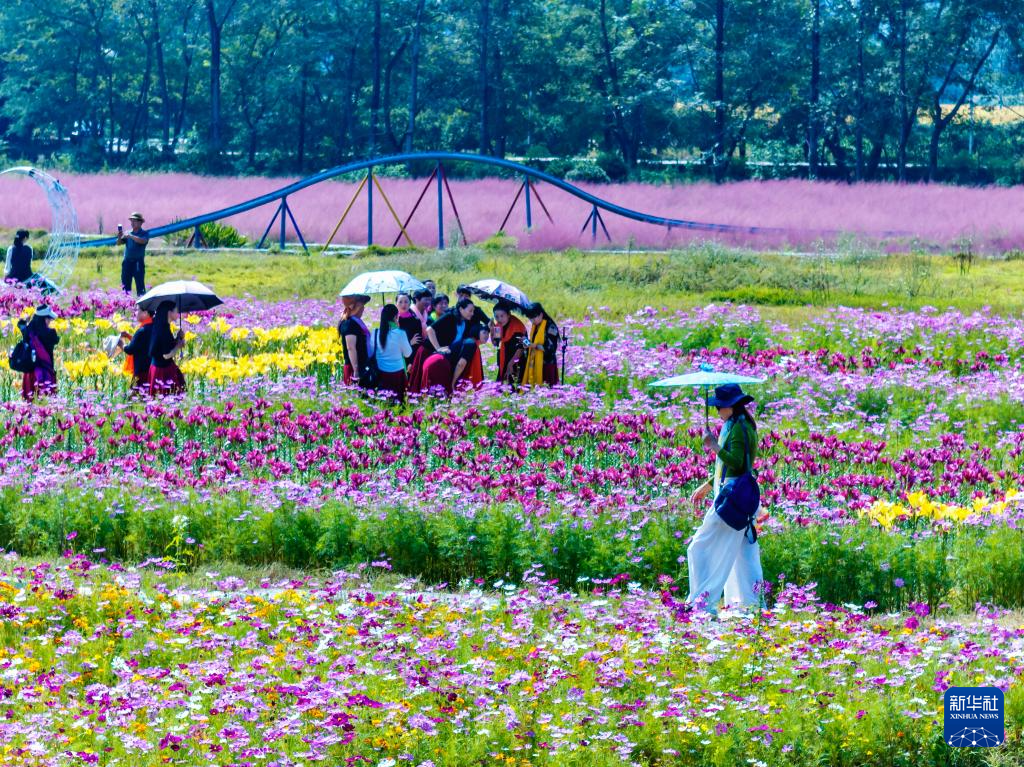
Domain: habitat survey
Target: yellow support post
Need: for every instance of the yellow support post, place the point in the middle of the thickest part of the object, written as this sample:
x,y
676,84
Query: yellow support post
x,y
394,215
343,215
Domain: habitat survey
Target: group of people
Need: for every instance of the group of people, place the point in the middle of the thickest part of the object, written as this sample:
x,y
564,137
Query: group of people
x,y
149,352
423,344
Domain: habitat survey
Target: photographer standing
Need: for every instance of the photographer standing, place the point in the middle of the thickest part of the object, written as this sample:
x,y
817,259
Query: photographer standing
x,y
134,264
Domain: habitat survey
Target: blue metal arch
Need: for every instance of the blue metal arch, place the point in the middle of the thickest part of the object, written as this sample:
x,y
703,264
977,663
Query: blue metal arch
x,y
525,170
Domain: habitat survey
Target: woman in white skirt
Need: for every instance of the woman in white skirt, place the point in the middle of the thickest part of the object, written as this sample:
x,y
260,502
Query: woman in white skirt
x,y
720,557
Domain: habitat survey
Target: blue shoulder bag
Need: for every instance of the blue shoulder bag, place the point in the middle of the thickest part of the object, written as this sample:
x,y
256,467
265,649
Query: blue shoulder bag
x,y
738,500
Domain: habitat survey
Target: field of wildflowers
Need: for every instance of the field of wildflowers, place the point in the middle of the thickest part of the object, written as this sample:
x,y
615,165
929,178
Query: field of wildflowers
x,y
499,575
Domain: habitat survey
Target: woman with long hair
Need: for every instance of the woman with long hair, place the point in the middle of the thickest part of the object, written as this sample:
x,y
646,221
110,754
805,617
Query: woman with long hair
x,y
542,359
354,340
42,339
457,337
421,348
509,335
164,375
390,347
719,556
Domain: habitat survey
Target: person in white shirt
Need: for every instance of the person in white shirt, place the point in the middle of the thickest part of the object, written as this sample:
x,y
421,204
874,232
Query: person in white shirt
x,y
389,345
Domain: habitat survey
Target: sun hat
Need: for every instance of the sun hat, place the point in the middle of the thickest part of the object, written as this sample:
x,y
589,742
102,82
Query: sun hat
x,y
136,216
359,297
729,395
44,312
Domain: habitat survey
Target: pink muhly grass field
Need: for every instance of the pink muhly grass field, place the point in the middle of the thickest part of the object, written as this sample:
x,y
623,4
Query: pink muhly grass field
x,y
802,213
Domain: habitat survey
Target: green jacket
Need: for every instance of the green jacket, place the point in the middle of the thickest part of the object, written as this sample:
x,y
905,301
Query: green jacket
x,y
732,455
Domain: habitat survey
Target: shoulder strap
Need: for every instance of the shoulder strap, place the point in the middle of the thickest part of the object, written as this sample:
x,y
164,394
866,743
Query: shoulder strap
x,y
741,422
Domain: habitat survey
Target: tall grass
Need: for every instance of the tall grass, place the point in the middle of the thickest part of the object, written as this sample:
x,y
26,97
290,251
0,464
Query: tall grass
x,y
572,281
934,216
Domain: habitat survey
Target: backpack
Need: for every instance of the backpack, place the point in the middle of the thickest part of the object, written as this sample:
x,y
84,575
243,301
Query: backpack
x,y
22,357
738,501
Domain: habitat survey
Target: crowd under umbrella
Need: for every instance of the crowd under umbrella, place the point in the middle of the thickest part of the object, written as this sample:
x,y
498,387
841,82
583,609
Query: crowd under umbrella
x,y
381,282
497,290
187,295
705,378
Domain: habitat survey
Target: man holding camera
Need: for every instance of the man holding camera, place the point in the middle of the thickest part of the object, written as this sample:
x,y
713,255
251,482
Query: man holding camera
x,y
133,266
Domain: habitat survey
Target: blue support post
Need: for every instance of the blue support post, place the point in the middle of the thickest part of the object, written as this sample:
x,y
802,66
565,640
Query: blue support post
x,y
593,224
270,226
440,208
529,212
369,207
197,239
283,209
295,225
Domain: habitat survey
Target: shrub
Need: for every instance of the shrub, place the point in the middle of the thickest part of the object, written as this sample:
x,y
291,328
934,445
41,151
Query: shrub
x,y
218,235
588,171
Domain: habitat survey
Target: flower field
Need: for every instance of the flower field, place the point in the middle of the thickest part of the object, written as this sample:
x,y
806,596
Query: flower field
x,y
499,575
799,214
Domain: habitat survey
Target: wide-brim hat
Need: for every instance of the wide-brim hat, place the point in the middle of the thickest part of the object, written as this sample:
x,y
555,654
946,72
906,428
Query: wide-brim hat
x,y
45,311
360,297
729,395
137,217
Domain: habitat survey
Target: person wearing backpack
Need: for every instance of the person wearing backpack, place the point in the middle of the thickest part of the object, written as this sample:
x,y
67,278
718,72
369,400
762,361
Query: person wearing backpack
x,y
390,347
724,553
41,339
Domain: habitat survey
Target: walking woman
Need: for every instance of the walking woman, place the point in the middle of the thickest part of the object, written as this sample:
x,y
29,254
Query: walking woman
x,y
390,348
42,339
542,361
508,334
354,340
719,556
164,375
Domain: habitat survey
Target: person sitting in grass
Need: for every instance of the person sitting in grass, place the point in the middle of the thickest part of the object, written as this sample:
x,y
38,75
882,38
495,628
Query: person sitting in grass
x,y
18,266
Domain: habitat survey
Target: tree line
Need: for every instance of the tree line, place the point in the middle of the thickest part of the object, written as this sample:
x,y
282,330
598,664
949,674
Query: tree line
x,y
852,89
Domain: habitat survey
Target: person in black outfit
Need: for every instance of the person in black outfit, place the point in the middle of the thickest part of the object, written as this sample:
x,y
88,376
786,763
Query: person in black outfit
x,y
354,336
19,259
138,348
43,339
164,375
457,334
409,321
479,315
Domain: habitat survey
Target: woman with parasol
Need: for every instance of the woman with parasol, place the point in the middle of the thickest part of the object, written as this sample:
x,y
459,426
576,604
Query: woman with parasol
x,y
721,556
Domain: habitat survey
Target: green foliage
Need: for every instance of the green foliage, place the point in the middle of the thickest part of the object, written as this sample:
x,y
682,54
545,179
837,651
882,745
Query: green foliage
x,y
857,563
218,235
589,171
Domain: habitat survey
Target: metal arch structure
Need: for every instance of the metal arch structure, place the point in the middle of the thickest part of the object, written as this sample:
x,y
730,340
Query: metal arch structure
x,y
65,240
529,174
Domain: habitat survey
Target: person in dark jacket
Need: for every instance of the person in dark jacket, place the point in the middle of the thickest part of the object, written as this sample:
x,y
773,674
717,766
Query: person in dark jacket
x,y
19,259
136,349
479,315
457,337
164,375
355,337
43,339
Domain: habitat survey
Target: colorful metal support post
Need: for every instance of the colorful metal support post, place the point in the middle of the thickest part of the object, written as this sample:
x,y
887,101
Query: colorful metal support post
x,y
415,207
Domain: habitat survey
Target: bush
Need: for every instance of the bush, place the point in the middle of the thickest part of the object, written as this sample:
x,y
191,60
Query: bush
x,y
218,235
588,171
613,166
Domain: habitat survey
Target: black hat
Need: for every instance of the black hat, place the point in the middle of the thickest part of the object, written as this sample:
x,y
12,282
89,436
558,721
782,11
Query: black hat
x,y
729,395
